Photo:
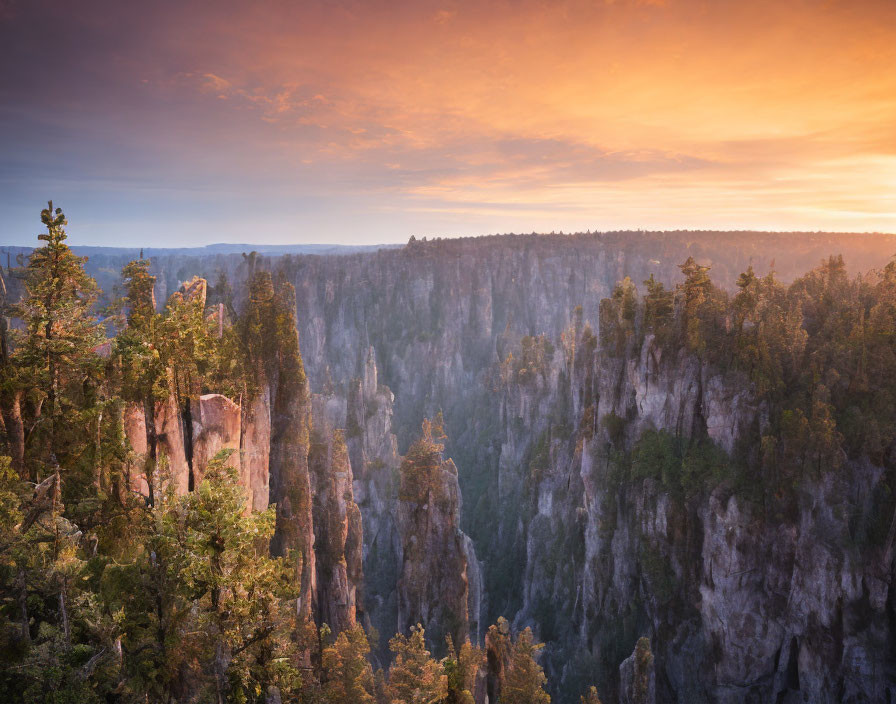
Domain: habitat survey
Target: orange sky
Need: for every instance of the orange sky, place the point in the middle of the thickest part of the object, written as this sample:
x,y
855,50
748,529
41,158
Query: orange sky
x,y
372,121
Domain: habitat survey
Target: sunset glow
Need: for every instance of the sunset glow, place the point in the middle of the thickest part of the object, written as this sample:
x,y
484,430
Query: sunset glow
x,y
368,122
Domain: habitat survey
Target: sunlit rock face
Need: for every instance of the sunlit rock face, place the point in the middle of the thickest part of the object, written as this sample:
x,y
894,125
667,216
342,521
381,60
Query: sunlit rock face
x,y
255,448
216,428
169,445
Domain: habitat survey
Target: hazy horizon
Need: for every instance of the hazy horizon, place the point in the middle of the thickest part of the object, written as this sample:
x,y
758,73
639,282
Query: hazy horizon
x,y
75,242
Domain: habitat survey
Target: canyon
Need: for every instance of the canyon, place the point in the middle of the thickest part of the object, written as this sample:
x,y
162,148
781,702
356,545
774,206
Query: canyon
x,y
526,515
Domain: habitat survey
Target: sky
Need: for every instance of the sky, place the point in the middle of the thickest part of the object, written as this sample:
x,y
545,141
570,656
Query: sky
x,y
187,123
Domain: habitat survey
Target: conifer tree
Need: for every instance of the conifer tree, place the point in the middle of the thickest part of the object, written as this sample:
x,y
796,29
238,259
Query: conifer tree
x,y
137,351
414,677
55,349
461,668
696,293
525,679
591,697
658,308
348,676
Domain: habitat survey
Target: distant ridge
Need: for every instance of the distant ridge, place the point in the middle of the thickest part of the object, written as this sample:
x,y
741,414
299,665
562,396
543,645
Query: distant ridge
x,y
217,248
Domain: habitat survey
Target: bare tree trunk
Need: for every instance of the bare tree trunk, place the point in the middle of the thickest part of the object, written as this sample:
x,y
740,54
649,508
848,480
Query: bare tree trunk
x,y
222,662
15,431
152,441
98,464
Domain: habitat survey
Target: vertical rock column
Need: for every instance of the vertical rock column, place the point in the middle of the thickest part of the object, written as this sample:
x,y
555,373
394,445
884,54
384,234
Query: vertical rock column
x,y
337,531
433,588
290,485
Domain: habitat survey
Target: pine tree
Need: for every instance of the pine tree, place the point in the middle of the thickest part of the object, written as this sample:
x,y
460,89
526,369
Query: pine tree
x,y
55,349
525,679
658,309
139,362
696,293
204,591
591,697
461,668
348,676
414,677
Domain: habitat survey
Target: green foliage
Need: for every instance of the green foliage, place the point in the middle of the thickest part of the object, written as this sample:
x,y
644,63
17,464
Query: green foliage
x,y
414,677
821,353
347,677
461,668
696,295
422,467
683,471
658,573
54,358
525,679
618,316
658,309
203,595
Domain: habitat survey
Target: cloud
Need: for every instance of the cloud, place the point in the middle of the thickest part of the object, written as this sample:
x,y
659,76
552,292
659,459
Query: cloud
x,y
686,110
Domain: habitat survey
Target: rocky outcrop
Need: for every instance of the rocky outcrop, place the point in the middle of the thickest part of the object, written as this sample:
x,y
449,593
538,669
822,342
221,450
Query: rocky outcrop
x,y
364,409
739,605
338,533
637,676
367,411
255,448
433,588
168,443
290,481
195,291
216,427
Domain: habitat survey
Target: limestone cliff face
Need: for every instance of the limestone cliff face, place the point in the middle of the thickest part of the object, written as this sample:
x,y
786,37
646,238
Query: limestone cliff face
x,y
373,448
217,423
255,448
169,442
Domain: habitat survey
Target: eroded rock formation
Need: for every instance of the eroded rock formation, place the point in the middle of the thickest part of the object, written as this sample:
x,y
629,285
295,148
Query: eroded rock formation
x,y
434,586
338,533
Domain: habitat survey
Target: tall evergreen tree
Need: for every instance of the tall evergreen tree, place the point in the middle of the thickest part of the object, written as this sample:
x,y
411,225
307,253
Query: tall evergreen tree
x,y
55,350
414,677
347,675
525,679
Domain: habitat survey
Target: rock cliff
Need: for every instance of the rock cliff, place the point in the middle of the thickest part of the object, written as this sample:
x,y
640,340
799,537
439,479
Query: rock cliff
x,y
338,531
433,588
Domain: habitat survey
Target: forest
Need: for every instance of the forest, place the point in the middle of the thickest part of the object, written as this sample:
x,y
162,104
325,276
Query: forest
x,y
155,565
